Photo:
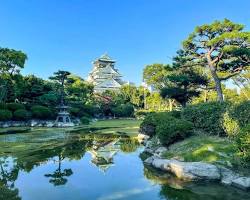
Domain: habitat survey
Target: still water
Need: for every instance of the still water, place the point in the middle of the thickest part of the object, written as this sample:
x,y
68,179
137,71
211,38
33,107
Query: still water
x,y
58,164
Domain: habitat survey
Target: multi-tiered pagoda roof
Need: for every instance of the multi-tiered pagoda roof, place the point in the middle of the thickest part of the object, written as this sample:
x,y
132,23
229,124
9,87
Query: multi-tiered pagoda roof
x,y
104,75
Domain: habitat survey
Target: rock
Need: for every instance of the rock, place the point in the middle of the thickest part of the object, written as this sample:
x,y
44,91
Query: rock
x,y
242,182
161,150
227,176
149,160
188,170
194,170
161,163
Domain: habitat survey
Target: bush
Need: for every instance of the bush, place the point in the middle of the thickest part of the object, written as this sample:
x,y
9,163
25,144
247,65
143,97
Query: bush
x,y
21,114
41,112
141,114
85,120
124,110
243,143
5,115
230,125
207,117
168,128
171,130
241,113
15,106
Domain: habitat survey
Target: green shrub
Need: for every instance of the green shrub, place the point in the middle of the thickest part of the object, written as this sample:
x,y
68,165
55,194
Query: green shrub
x,y
243,143
5,115
41,112
170,130
21,114
124,110
241,113
15,106
230,125
85,120
141,114
207,117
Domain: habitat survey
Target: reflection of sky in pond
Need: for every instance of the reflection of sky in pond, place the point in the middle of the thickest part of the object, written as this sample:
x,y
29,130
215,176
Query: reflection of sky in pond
x,y
120,182
71,166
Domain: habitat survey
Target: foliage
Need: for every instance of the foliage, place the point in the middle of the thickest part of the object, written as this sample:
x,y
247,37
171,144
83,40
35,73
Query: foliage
x,y
168,128
243,144
182,85
21,114
5,115
124,110
155,74
85,120
223,46
241,113
206,117
41,112
230,125
141,114
15,106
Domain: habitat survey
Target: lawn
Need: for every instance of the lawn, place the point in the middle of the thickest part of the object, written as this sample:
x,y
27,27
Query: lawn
x,y
209,149
129,127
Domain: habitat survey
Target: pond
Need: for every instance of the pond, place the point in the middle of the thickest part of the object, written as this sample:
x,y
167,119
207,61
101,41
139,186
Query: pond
x,y
59,164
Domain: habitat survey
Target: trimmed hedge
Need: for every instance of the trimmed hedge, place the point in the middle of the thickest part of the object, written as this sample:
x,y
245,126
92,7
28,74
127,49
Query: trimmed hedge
x,y
21,114
206,117
5,115
41,112
15,106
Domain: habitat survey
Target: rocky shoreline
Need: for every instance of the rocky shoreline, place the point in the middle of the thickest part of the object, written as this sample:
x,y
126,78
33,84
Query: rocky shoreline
x,y
192,171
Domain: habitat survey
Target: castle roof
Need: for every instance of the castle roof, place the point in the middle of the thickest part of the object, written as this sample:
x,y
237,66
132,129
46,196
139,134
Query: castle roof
x,y
106,58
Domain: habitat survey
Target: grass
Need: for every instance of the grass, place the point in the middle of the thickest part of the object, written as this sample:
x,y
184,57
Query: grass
x,y
128,127
204,148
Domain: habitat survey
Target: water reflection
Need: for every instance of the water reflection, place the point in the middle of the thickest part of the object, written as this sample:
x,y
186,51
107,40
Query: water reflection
x,y
58,159
25,154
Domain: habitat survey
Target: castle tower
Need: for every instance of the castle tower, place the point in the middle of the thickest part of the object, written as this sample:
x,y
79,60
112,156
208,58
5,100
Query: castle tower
x,y
104,75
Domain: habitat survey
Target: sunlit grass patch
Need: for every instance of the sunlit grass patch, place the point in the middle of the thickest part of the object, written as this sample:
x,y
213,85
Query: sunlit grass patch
x,y
210,149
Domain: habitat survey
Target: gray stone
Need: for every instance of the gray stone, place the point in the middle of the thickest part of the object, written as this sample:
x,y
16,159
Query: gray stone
x,y
242,182
188,170
227,176
149,160
159,151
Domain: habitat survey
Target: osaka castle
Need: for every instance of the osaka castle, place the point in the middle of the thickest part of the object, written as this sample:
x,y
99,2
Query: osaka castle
x,y
104,76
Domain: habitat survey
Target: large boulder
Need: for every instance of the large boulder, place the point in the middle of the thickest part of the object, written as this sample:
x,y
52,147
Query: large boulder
x,y
187,170
194,170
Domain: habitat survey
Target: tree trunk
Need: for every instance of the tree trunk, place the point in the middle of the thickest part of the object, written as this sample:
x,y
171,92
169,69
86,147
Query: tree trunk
x,y
217,84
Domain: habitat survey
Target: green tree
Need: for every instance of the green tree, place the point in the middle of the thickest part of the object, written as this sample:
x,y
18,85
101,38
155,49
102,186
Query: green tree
x,y
11,62
61,77
223,47
154,75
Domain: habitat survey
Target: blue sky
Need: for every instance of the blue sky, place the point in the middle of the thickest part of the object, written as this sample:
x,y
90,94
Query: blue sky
x,y
70,34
